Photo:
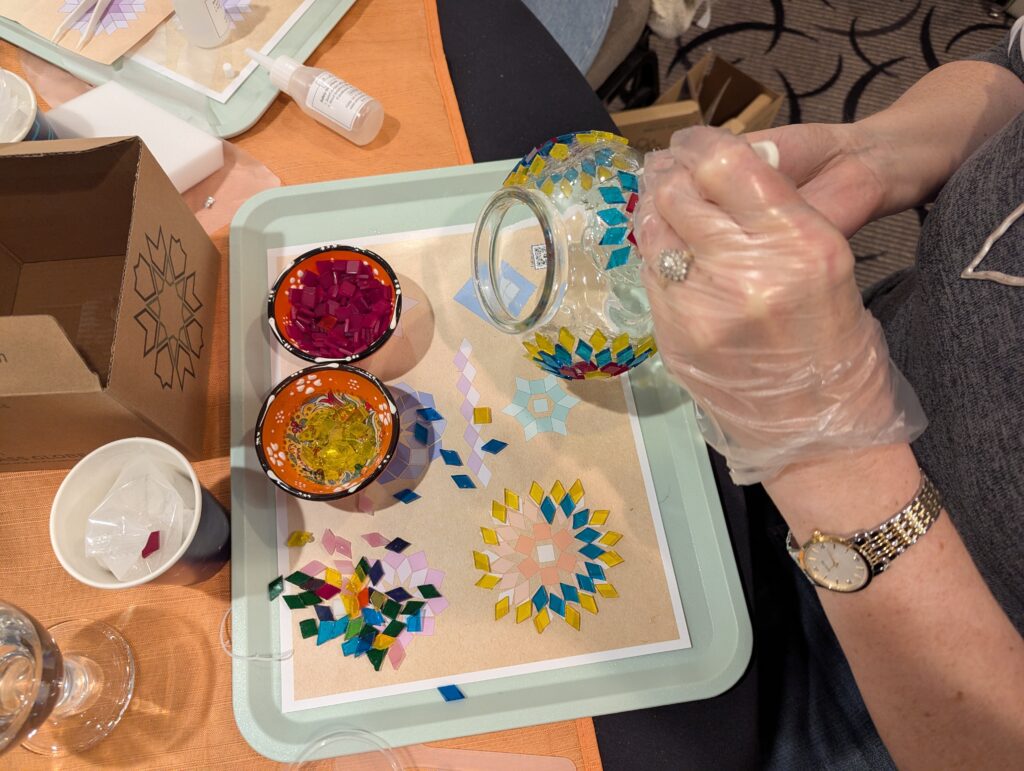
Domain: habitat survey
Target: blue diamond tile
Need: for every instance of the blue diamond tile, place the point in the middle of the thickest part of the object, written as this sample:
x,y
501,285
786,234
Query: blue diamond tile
x,y
580,518
557,604
493,446
463,481
592,551
547,508
540,598
618,257
589,167
613,236
430,414
451,458
588,535
421,432
628,181
569,593
584,350
603,357
451,693
611,194
613,217
586,582
567,504
595,571
603,156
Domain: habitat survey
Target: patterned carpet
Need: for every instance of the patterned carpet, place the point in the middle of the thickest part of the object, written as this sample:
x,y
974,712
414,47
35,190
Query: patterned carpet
x,y
839,60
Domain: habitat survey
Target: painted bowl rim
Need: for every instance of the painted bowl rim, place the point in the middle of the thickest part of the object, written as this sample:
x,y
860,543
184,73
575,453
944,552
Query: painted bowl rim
x,y
291,347
340,367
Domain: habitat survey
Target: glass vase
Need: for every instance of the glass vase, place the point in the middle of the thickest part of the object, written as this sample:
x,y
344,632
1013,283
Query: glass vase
x,y
560,229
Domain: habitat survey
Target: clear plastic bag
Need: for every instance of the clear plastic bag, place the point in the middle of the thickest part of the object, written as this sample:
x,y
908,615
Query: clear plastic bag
x,y
142,501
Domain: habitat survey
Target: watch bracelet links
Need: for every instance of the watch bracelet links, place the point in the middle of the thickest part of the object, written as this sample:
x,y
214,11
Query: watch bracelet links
x,y
894,536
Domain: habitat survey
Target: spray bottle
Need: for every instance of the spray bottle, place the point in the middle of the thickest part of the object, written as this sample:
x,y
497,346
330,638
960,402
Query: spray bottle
x,y
327,98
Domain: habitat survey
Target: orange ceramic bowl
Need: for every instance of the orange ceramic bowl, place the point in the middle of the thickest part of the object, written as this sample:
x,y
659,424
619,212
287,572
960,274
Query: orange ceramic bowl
x,y
335,303
327,432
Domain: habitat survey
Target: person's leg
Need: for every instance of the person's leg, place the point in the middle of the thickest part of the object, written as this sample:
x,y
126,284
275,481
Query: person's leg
x,y
515,85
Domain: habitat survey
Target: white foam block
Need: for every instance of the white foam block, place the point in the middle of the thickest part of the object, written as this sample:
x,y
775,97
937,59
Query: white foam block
x,y
186,153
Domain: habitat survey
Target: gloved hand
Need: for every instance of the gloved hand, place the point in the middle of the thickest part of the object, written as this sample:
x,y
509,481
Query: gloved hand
x,y
767,332
835,166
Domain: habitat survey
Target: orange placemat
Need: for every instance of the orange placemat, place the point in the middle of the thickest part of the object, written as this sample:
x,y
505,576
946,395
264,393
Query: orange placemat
x,y
181,715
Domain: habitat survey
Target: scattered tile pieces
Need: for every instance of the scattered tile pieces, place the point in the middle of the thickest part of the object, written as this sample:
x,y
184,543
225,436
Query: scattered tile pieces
x,y
428,591
398,545
421,433
374,539
323,613
298,578
481,415
451,693
313,568
309,598
308,628
294,602
399,594
299,538
152,544
494,446
275,588
335,545
451,458
376,572
463,481
407,496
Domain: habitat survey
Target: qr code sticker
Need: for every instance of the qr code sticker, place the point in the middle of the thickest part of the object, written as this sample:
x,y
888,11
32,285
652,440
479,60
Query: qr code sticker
x,y
538,257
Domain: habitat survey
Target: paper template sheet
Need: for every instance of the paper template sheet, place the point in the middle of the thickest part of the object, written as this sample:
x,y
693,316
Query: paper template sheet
x,y
445,355
255,24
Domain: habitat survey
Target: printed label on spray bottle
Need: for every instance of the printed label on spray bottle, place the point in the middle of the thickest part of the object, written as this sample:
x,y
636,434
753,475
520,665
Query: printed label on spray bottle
x,y
333,98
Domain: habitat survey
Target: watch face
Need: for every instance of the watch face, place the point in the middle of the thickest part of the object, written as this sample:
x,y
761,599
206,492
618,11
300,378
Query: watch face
x,y
835,565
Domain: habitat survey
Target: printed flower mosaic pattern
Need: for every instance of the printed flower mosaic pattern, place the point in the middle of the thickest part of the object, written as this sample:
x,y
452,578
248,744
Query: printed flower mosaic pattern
x,y
547,556
541,406
174,335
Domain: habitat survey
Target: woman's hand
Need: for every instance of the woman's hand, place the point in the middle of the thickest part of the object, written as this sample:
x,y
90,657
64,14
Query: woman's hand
x,y
839,169
767,332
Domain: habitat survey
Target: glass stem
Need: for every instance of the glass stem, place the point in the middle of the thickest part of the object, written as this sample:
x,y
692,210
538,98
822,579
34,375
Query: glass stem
x,y
80,686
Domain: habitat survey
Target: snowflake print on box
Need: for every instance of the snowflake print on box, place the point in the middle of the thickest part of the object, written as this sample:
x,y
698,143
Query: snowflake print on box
x,y
117,16
547,556
174,335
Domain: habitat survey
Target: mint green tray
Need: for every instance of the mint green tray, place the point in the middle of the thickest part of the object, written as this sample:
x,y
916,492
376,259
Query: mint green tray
x,y
695,528
241,110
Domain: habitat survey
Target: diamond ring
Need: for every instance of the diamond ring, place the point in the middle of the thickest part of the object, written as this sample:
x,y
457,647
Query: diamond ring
x,y
673,265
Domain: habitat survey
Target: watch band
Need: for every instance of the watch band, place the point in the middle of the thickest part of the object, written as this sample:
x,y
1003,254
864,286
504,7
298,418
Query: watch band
x,y
890,539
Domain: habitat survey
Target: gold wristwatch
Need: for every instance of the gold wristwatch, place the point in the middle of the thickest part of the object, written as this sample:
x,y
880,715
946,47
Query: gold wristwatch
x,y
848,563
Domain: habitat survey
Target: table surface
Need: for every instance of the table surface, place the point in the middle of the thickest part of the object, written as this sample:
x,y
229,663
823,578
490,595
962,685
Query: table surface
x,y
181,715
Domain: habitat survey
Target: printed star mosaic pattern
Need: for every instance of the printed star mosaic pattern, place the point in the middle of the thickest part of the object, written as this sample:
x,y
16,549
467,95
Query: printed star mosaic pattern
x,y
541,406
117,16
575,358
547,556
420,440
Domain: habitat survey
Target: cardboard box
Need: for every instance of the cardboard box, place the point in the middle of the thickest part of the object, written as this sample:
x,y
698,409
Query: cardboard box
x,y
745,105
107,289
743,97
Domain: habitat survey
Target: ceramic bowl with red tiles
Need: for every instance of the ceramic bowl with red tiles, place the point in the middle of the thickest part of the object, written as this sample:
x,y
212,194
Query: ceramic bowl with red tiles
x,y
335,304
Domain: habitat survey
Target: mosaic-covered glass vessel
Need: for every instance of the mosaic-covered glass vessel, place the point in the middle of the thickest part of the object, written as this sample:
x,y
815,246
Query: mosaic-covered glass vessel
x,y
562,225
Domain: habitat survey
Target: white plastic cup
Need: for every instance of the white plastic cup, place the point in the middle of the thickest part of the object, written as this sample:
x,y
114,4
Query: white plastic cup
x,y
33,125
204,548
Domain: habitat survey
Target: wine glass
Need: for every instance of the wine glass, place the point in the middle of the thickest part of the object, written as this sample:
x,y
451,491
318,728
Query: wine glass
x,y
62,689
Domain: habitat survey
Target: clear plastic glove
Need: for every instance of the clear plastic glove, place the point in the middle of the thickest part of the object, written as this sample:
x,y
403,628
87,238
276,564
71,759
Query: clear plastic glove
x,y
142,501
768,332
